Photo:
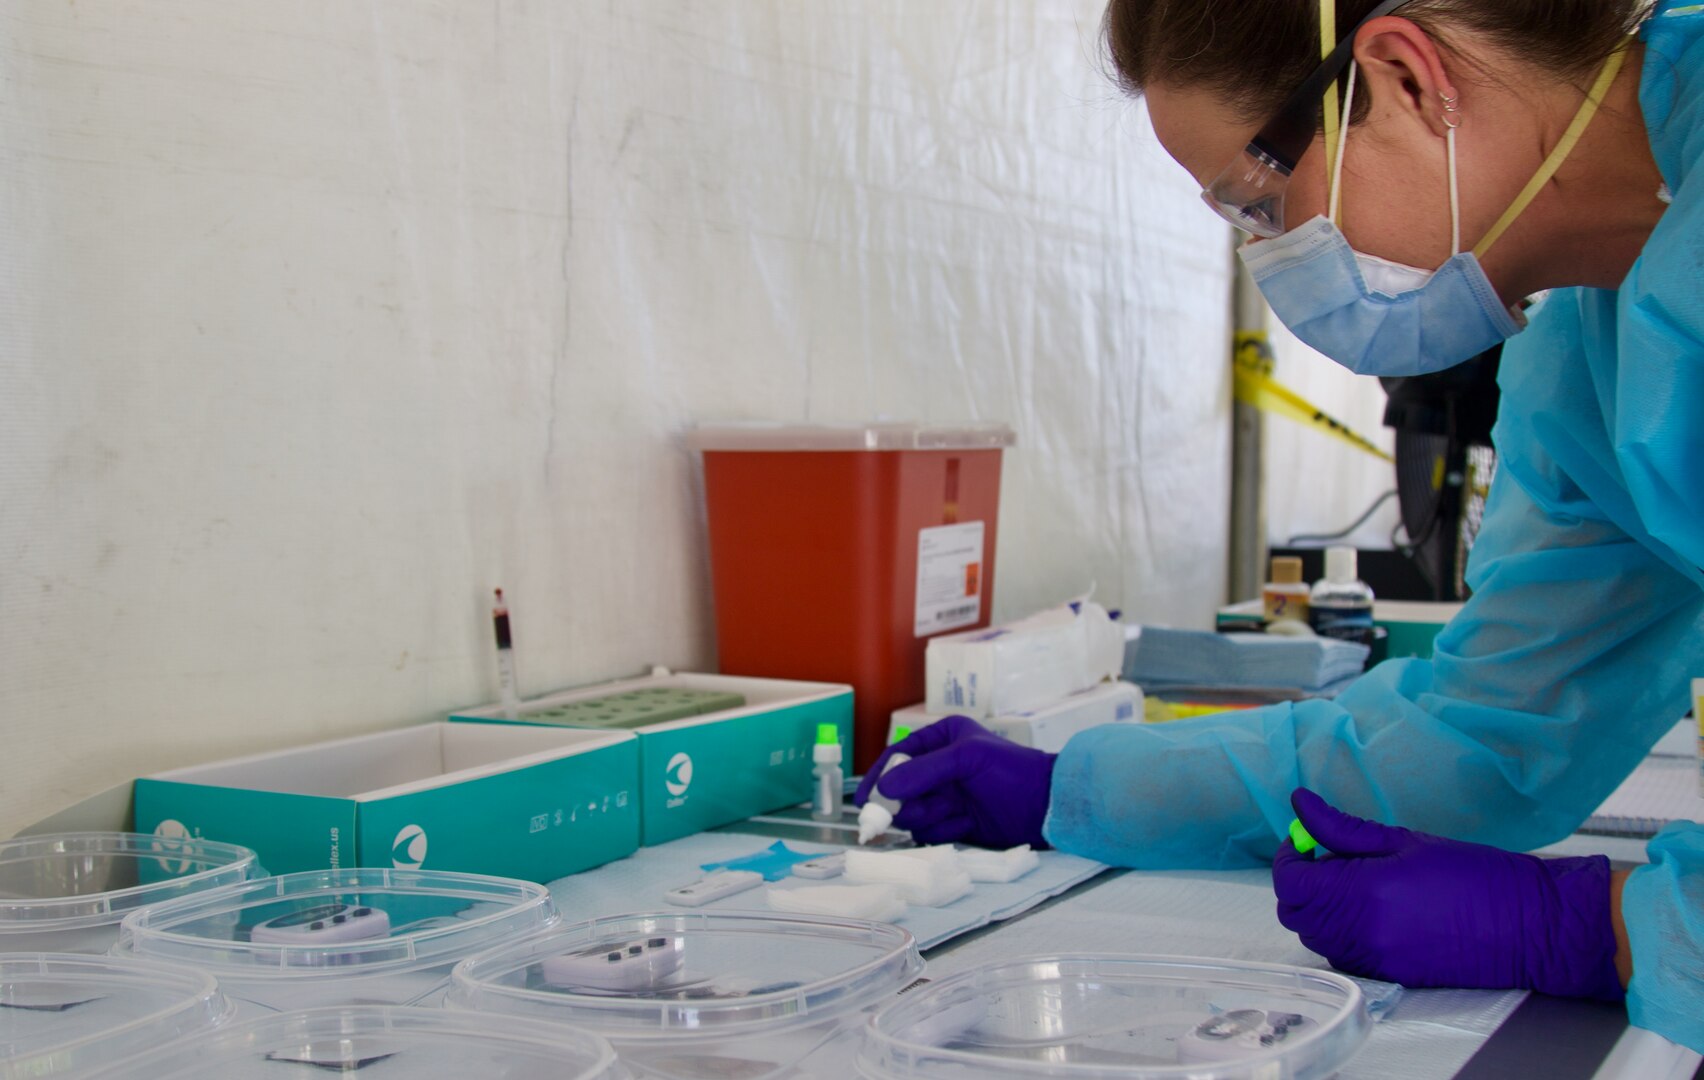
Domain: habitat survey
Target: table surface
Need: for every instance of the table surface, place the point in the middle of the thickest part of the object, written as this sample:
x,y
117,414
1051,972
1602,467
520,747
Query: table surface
x,y
1230,914
1428,1035
1443,1034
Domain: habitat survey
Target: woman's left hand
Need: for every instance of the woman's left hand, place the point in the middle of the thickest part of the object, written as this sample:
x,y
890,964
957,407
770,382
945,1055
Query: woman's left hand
x,y
1421,910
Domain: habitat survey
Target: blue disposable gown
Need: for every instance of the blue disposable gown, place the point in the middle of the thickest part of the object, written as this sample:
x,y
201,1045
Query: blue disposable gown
x,y
1570,660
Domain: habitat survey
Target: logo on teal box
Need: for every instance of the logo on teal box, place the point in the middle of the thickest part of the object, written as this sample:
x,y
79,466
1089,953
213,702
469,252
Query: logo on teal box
x,y
170,838
677,777
408,850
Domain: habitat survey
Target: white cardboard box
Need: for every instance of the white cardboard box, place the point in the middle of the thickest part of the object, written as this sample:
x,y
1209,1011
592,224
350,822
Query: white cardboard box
x,y
1023,665
1048,728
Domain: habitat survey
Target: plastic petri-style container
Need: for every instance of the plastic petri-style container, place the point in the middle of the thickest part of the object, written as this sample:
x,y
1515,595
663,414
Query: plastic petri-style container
x,y
1120,1018
63,1014
685,996
836,552
379,1041
67,892
338,937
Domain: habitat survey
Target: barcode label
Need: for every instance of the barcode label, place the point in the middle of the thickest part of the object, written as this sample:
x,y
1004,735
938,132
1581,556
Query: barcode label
x,y
949,578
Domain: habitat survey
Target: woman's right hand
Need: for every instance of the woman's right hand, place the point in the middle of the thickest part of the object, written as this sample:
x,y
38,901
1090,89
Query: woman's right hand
x,y
965,784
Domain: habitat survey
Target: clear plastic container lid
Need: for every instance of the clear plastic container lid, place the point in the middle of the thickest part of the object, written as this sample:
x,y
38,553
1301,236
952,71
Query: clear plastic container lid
x,y
381,1041
75,881
692,975
1124,1017
63,1013
338,924
883,436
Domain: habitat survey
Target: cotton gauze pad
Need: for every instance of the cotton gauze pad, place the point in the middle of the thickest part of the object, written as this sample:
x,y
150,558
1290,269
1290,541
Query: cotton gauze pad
x,y
936,853
927,881
877,903
999,866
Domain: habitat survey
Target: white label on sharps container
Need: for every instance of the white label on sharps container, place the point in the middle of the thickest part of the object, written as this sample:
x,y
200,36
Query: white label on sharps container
x,y
949,577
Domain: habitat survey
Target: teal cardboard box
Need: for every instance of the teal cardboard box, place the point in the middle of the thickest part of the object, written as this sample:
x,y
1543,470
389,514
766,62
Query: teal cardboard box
x,y
1413,625
720,767
518,802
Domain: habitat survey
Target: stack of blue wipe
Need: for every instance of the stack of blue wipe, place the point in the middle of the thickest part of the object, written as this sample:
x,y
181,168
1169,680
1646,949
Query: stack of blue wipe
x,y
1163,659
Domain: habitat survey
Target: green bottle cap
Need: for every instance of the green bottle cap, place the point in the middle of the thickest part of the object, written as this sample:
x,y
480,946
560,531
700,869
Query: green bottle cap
x,y
828,735
898,734
1300,836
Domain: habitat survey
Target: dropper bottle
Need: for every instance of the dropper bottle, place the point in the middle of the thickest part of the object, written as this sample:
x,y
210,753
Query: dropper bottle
x,y
830,780
876,817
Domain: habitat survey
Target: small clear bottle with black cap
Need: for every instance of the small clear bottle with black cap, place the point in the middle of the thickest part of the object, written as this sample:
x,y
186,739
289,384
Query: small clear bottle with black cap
x,y
1341,605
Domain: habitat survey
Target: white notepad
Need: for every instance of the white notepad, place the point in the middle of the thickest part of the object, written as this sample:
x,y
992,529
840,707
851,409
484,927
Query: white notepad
x,y
1662,789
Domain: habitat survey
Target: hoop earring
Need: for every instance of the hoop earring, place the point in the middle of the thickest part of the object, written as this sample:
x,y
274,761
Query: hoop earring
x,y
1452,110
1452,121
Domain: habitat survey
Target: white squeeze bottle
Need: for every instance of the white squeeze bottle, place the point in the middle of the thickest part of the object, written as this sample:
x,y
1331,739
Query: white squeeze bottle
x,y
1341,605
877,815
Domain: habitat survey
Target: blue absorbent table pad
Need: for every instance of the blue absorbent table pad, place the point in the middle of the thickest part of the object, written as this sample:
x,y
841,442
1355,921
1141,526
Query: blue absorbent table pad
x,y
637,883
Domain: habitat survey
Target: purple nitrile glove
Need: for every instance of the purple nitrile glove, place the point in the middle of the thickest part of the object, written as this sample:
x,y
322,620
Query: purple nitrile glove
x,y
965,783
1420,910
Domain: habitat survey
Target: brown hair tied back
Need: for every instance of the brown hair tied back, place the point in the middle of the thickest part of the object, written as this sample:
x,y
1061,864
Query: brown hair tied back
x,y
1252,55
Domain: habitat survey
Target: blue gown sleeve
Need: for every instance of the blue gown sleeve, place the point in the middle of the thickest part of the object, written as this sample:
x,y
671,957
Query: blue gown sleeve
x,y
1568,663
1663,906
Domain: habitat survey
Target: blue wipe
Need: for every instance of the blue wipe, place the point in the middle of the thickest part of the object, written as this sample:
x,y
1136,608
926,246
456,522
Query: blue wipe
x,y
774,862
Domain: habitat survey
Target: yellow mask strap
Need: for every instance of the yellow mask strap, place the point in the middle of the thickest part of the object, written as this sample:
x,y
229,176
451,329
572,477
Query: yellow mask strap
x,y
1570,139
1328,42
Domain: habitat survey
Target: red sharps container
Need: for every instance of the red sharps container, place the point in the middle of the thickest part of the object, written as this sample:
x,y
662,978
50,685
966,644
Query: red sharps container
x,y
837,552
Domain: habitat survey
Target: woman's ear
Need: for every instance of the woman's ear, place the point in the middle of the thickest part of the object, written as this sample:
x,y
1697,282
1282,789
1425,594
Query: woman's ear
x,y
1404,74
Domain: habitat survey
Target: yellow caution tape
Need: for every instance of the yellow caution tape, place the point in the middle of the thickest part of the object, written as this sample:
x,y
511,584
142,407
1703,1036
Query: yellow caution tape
x,y
1254,385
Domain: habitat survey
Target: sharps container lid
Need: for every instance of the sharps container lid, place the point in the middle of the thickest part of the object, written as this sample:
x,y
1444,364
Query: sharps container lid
x,y
880,436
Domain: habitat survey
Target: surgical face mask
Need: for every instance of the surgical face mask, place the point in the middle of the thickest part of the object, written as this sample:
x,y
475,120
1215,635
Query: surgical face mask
x,y
1377,317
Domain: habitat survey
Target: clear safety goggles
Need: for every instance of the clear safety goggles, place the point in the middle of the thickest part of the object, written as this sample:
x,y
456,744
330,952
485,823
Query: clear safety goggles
x,y
1250,192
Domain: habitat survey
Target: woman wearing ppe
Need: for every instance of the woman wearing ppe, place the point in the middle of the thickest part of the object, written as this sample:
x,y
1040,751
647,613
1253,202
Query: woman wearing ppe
x,y
1449,159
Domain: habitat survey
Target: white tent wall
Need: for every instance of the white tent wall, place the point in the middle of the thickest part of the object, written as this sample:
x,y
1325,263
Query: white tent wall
x,y
320,318
1317,485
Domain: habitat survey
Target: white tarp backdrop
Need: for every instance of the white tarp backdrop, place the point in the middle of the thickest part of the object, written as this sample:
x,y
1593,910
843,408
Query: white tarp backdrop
x,y
1316,484
321,318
